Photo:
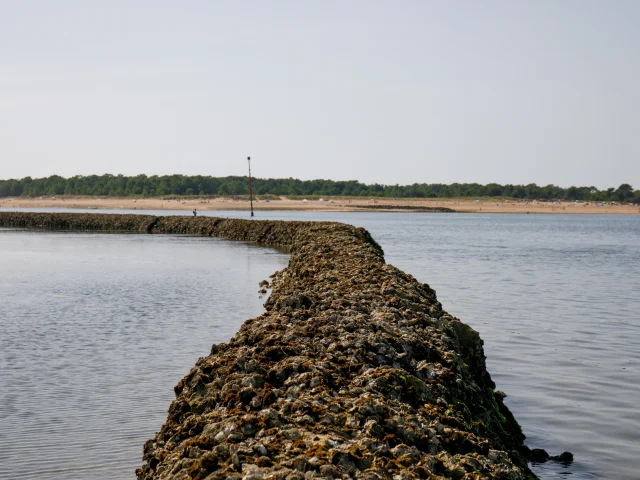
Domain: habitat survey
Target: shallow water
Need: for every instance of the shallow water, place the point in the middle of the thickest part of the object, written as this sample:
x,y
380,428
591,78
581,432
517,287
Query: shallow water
x,y
555,298
96,329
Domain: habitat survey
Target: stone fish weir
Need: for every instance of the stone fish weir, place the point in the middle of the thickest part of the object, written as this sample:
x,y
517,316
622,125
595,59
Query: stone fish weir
x,y
353,371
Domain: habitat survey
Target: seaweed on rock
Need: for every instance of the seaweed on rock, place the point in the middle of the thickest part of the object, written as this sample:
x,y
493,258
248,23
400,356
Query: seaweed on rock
x,y
353,371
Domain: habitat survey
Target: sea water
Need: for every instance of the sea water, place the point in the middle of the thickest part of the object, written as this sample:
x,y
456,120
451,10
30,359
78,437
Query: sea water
x,y
96,329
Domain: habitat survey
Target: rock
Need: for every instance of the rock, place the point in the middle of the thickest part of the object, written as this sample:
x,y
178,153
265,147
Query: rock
x,y
354,370
538,455
564,457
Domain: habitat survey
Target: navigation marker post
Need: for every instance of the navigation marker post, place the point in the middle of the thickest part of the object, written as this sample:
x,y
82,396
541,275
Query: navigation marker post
x,y
250,186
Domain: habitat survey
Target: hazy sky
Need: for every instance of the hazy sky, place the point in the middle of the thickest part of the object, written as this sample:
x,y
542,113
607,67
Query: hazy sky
x,y
507,91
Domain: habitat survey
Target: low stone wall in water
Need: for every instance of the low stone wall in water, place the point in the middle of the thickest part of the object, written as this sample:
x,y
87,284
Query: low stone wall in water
x,y
413,208
353,371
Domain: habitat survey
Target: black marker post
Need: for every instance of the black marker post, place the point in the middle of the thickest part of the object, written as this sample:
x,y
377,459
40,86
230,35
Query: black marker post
x,y
250,187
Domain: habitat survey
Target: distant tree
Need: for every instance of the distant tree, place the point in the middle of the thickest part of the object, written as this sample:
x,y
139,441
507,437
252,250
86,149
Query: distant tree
x,y
623,193
119,185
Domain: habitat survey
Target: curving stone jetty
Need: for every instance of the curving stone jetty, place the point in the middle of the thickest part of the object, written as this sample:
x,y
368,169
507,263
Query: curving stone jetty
x,y
353,371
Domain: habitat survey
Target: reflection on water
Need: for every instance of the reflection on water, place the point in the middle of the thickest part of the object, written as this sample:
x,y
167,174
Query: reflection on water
x,y
555,298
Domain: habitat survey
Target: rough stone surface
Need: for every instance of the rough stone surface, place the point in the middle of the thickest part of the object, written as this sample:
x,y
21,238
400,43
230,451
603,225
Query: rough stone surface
x,y
353,371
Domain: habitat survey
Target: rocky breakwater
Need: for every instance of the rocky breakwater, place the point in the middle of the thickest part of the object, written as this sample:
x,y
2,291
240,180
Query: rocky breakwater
x,y
353,371
402,208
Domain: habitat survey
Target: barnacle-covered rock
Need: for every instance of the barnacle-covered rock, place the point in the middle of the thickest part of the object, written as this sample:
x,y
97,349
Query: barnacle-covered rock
x,y
353,371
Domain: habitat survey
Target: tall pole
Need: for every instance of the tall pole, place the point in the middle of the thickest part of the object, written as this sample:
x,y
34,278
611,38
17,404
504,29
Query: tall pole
x,y
250,186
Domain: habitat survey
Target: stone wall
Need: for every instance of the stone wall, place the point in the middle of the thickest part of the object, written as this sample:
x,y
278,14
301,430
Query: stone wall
x,y
353,371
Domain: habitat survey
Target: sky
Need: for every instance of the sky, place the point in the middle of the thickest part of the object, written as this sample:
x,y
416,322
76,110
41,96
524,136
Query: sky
x,y
539,91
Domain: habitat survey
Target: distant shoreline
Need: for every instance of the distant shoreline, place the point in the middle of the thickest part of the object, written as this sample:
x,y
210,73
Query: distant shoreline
x,y
329,205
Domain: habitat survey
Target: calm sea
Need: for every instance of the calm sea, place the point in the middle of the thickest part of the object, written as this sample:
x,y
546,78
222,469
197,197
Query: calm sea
x,y
96,329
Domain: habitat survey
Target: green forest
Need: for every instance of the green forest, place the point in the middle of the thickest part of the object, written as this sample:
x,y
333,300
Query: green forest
x,y
181,185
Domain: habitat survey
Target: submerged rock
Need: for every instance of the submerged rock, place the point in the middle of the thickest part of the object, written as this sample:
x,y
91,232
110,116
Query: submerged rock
x,y
353,371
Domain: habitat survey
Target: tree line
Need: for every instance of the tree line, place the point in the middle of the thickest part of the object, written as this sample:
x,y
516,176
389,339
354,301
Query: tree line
x,y
182,185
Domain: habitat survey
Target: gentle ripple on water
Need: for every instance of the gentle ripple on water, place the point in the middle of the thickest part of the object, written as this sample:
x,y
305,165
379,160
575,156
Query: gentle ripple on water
x,y
96,330
555,298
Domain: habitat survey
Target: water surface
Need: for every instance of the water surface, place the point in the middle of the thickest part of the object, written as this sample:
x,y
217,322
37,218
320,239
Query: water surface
x,y
96,329
555,298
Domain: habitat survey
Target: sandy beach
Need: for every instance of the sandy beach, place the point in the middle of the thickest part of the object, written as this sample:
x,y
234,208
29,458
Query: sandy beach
x,y
330,204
